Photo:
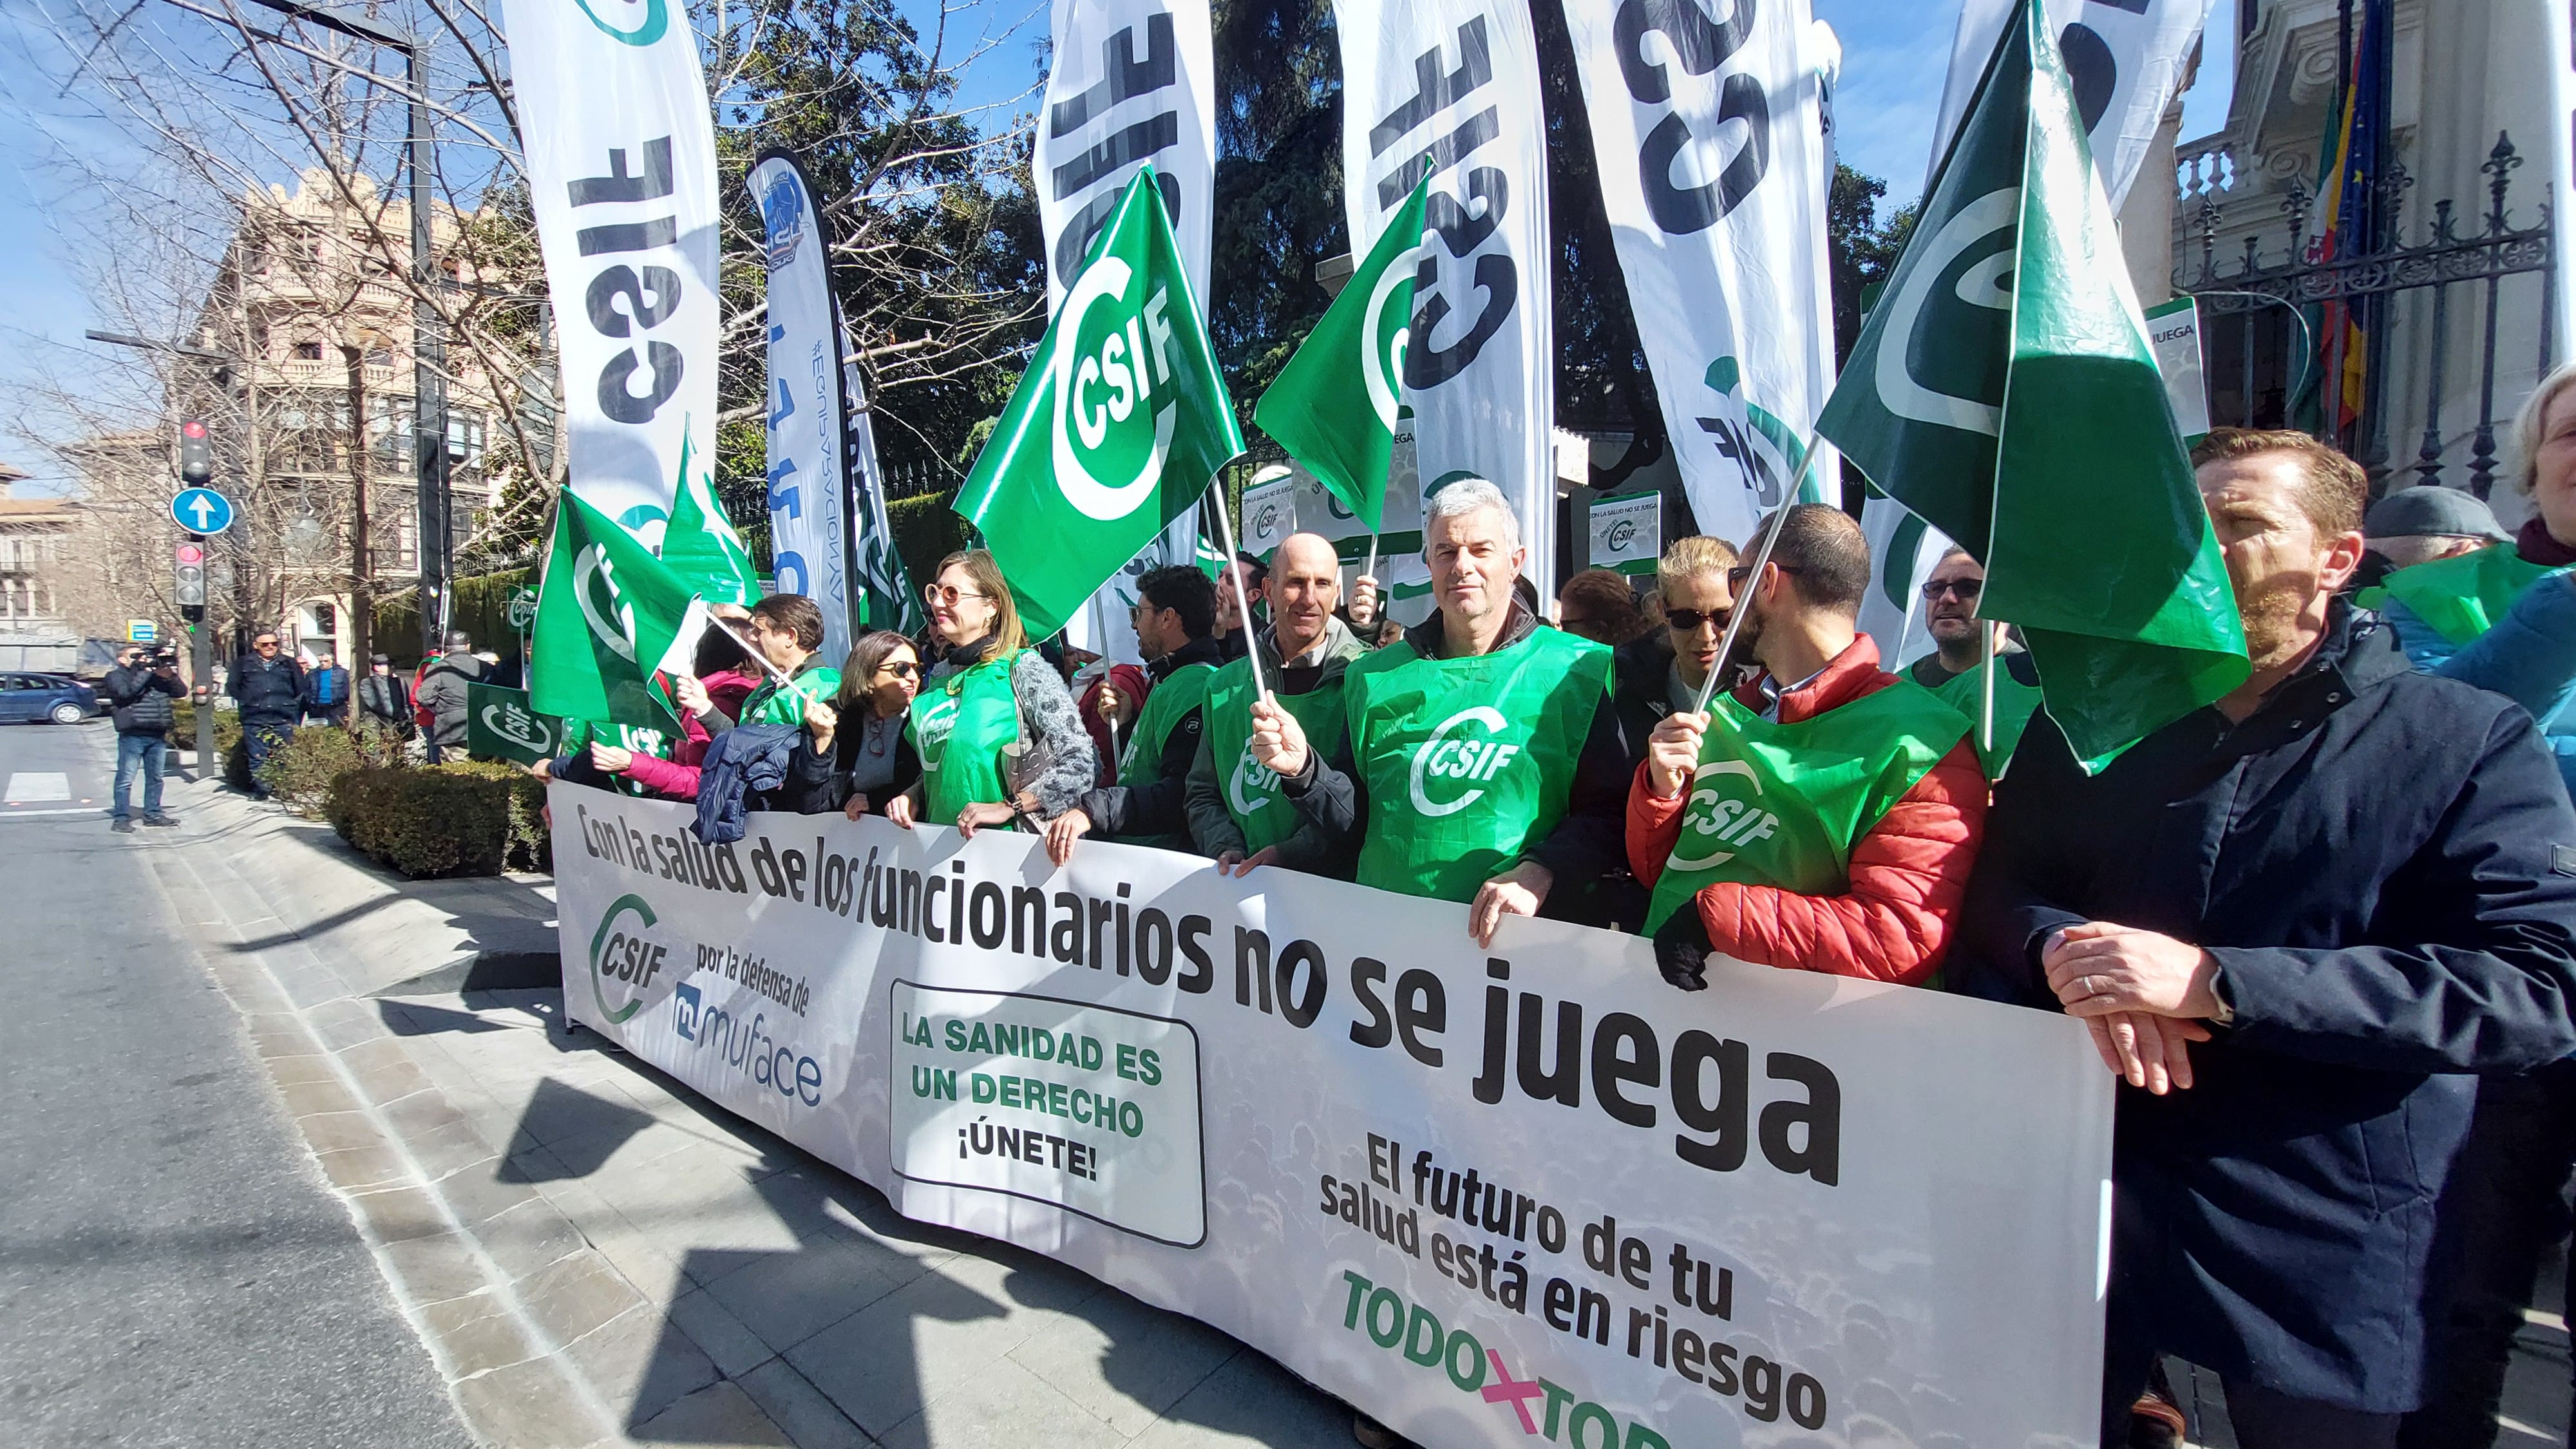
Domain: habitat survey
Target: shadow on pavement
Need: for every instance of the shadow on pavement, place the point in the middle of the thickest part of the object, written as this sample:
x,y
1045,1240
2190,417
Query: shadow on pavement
x,y
580,1132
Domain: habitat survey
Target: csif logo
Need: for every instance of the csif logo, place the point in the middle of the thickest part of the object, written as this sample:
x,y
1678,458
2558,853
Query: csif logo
x,y
1252,785
592,574
1715,818
623,959
516,725
656,21
1386,331
932,728
1110,442
1458,756
782,219
1985,283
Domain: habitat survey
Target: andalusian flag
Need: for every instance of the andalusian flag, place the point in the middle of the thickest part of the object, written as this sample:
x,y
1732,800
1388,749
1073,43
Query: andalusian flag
x,y
699,543
610,616
2005,390
1333,407
1115,429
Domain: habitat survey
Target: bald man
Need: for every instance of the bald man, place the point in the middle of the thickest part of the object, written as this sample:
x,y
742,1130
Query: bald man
x,y
1234,808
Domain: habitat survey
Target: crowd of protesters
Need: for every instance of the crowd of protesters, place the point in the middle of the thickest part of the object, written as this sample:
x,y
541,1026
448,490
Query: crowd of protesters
x,y
2323,930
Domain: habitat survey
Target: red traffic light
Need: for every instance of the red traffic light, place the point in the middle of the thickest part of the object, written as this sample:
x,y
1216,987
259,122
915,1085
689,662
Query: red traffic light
x,y
192,429
192,553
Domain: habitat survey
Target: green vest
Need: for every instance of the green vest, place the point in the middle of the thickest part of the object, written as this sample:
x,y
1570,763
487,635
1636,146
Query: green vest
x,y
1183,690
1780,804
960,726
2015,703
1264,815
2460,597
771,704
1467,761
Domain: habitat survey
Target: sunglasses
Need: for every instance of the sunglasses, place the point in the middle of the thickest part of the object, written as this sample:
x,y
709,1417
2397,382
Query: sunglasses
x,y
948,594
263,643
1741,572
1964,588
1684,621
901,671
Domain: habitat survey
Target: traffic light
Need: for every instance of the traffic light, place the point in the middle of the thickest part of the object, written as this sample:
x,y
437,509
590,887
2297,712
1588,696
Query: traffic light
x,y
188,568
196,454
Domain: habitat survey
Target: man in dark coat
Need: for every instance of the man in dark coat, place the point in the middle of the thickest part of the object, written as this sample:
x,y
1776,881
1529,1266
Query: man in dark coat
x,y
268,688
326,690
139,690
2290,920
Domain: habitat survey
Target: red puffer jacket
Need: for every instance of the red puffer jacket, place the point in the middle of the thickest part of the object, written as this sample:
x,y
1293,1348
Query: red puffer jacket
x,y
1908,873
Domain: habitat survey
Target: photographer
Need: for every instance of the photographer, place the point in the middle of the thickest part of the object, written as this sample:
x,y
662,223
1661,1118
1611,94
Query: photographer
x,y
139,691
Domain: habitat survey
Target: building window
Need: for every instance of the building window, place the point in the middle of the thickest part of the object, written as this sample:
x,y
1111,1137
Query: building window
x,y
465,438
308,352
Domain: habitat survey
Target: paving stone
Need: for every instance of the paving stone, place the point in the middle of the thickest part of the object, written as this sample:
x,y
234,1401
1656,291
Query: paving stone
x,y
1003,1404
720,1415
532,1405
529,1237
449,1149
891,1359
419,1113
302,1067
435,1268
711,1326
335,1131
362,1167
1252,1401
320,1093
639,1362
474,1193
476,1334
794,1404
396,1214
787,1298
574,1295
1123,1361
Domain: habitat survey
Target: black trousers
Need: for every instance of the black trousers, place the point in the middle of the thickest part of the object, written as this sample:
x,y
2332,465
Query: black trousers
x,y
2503,1206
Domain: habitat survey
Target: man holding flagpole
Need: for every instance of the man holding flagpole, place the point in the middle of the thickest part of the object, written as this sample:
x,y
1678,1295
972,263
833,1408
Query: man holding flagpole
x,y
1823,817
1175,619
1486,759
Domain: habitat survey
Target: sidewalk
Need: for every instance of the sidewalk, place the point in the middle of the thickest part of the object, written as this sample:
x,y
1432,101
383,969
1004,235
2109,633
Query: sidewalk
x,y
595,1256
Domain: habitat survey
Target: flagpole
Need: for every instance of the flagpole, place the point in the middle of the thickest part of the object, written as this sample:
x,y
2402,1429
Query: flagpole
x,y
1377,617
1986,689
784,682
1242,600
1752,578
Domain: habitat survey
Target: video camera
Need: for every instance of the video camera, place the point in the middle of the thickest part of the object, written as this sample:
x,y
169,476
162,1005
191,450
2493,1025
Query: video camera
x,y
156,656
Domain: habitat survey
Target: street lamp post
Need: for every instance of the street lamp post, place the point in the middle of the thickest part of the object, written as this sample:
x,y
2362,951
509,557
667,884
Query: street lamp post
x,y
429,334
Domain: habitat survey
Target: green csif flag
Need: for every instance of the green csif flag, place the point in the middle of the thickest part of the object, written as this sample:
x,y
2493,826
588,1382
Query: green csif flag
x,y
699,543
2005,390
609,617
1115,429
1334,406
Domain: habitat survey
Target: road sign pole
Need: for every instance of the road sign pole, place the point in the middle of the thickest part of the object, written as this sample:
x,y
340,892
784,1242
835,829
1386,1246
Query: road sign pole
x,y
201,664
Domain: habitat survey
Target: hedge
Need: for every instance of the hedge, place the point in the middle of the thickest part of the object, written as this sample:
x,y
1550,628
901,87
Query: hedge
x,y
300,776
443,820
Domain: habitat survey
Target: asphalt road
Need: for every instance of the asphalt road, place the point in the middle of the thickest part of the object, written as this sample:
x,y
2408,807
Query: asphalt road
x,y
173,1270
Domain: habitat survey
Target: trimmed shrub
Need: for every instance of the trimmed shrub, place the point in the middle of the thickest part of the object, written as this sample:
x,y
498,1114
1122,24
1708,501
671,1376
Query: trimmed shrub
x,y
442,820
316,756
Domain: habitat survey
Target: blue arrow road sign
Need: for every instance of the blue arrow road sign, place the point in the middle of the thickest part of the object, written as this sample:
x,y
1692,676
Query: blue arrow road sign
x,y
202,510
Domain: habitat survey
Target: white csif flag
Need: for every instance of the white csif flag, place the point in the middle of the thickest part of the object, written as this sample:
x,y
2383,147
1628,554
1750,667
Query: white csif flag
x,y
621,157
1449,89
2125,58
1715,169
808,523
1134,81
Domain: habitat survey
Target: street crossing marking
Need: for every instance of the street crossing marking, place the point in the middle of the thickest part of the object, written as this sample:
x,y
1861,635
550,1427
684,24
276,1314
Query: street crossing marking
x,y
28,787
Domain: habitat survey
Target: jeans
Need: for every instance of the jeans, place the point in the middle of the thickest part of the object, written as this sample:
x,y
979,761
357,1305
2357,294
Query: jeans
x,y
263,738
139,752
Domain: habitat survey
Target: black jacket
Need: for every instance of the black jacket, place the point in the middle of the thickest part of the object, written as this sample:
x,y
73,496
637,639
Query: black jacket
x,y
1640,670
2383,864
1160,806
442,693
385,697
1587,846
271,691
139,699
819,784
336,680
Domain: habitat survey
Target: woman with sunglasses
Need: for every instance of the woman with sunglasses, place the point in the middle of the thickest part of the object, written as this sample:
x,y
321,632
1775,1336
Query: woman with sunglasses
x,y
1659,672
858,759
988,693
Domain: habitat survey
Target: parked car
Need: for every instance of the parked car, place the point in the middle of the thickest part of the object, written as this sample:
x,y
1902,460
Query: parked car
x,y
27,698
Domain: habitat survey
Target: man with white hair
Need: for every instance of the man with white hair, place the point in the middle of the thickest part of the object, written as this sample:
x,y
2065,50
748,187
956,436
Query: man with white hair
x,y
1486,761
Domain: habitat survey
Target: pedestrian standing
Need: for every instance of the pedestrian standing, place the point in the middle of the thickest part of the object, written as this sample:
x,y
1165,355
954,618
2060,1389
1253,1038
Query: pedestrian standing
x,y
384,700
326,690
442,695
269,691
139,691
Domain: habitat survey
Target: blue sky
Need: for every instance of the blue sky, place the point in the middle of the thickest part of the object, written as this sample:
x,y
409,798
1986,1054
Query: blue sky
x,y
1895,53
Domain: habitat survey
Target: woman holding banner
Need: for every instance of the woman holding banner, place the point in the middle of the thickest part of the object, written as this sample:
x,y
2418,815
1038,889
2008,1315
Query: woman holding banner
x,y
995,730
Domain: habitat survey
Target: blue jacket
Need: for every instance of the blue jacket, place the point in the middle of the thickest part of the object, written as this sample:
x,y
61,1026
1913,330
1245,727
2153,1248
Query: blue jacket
x,y
2384,865
2529,657
742,767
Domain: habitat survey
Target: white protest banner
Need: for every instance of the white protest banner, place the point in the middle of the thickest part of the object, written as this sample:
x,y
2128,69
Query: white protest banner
x,y
1270,508
2174,329
1449,89
2125,58
808,498
1134,81
1487,1197
1627,532
1715,170
621,155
